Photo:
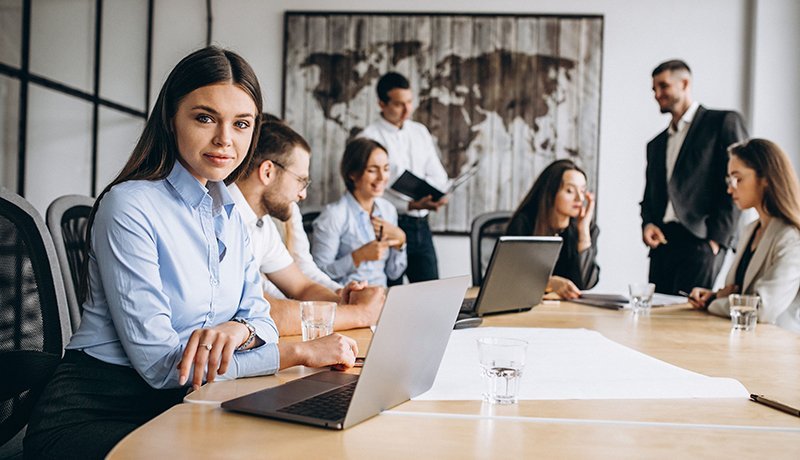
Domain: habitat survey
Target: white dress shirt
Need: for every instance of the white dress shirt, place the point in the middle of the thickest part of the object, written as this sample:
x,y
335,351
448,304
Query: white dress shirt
x,y
268,249
300,249
674,144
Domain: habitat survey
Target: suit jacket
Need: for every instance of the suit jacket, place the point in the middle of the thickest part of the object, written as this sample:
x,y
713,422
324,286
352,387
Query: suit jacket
x,y
773,274
697,187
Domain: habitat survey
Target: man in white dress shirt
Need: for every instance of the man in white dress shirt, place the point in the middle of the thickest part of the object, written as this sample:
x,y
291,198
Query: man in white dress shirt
x,y
278,178
410,147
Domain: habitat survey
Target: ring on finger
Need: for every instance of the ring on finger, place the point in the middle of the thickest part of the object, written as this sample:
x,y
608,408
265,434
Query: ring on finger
x,y
207,346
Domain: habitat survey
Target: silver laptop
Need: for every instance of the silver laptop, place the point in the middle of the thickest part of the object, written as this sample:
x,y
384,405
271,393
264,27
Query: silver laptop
x,y
402,362
516,277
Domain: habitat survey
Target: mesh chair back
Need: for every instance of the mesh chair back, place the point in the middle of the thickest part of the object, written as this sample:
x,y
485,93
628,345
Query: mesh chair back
x,y
486,229
33,312
67,218
308,222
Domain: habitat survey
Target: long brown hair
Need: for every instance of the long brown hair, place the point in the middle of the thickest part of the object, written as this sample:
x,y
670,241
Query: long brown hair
x,y
770,162
156,151
539,203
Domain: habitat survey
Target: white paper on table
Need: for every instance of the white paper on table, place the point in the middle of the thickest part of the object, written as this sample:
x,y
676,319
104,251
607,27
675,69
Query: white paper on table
x,y
573,364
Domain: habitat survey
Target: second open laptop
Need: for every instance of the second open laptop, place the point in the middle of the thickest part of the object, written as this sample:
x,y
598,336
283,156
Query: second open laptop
x,y
403,359
516,277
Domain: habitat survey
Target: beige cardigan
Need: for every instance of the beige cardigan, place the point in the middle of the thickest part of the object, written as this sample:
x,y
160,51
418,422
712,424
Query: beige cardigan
x,y
773,274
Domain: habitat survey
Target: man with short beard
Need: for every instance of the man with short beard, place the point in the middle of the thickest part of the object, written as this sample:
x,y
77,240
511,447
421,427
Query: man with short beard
x,y
688,219
278,177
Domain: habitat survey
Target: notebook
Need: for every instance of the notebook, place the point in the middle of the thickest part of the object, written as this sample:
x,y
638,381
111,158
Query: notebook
x,y
403,359
416,188
516,277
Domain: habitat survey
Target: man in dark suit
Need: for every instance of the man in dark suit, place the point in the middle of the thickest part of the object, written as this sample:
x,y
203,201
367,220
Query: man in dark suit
x,y
688,219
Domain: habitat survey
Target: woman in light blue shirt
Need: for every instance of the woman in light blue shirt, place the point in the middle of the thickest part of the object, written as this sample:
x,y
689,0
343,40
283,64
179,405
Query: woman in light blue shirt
x,y
357,237
174,295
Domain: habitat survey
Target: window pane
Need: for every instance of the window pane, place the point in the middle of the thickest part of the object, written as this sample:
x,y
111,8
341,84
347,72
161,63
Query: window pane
x,y
62,41
59,147
124,52
10,31
9,116
118,135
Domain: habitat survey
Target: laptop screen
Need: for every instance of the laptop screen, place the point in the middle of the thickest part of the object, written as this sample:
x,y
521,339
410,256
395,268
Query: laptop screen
x,y
518,273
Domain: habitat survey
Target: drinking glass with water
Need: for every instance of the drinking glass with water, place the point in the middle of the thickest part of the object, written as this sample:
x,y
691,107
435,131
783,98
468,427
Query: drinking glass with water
x,y
317,319
502,361
641,296
744,311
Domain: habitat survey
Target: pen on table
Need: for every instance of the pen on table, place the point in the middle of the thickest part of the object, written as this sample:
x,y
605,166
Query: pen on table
x,y
775,405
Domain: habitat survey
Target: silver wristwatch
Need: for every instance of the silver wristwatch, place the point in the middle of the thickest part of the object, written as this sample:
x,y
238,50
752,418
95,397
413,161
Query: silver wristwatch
x,y
250,338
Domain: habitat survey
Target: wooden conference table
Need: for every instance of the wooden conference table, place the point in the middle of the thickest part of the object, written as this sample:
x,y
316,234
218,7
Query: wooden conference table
x,y
766,361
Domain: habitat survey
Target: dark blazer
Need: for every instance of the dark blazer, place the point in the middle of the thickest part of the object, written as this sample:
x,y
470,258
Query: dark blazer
x,y
697,186
580,268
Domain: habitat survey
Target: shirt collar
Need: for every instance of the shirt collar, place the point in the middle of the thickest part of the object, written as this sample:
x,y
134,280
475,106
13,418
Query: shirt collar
x,y
386,125
248,215
355,205
686,119
193,192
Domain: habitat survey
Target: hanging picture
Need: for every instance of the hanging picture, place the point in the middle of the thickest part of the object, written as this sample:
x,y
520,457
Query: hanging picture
x,y
514,91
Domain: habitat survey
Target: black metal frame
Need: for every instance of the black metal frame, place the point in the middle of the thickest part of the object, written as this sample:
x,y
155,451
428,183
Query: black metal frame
x,y
25,78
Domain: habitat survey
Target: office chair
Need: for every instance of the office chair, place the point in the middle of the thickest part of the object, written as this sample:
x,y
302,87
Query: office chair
x,y
308,222
34,324
67,217
486,229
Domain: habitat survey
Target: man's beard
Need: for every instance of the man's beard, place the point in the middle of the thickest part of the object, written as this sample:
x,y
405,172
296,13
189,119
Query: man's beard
x,y
281,210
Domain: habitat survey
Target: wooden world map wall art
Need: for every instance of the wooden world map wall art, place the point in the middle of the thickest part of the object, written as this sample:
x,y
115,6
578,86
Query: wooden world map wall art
x,y
515,91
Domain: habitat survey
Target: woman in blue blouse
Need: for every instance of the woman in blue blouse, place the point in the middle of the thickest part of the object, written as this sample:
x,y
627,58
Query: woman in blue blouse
x,y
357,237
174,296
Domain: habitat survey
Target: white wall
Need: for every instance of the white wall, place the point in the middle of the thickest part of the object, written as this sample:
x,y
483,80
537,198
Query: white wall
x,y
776,62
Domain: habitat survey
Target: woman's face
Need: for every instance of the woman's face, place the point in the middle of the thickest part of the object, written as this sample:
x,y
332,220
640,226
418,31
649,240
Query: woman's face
x,y
744,185
569,199
213,129
373,180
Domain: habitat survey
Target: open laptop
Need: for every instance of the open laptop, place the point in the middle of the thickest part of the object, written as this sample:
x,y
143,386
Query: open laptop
x,y
403,359
515,279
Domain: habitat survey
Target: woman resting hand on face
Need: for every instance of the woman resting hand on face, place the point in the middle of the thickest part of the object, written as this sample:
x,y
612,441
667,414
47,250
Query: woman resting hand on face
x,y
558,204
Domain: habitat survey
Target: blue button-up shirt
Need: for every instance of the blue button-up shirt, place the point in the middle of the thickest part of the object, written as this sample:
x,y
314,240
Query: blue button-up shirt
x,y
344,226
168,257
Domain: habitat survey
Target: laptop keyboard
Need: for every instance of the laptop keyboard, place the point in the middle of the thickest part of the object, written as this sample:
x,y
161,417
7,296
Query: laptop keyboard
x,y
331,405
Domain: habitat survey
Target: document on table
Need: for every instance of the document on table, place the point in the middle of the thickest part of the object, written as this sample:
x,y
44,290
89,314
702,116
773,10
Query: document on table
x,y
574,364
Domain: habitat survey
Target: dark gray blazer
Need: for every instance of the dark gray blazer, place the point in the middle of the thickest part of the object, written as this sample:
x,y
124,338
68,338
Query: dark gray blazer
x,y
697,186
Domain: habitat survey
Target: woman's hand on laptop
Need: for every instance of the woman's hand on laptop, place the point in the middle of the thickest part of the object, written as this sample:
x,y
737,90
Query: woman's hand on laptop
x,y
334,350
565,288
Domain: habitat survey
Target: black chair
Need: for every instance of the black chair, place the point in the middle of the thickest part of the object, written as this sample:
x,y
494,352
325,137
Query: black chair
x,y
34,324
308,222
67,217
486,229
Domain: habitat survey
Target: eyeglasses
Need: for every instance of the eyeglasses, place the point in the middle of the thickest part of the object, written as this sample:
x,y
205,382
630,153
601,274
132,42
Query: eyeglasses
x,y
732,181
303,181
